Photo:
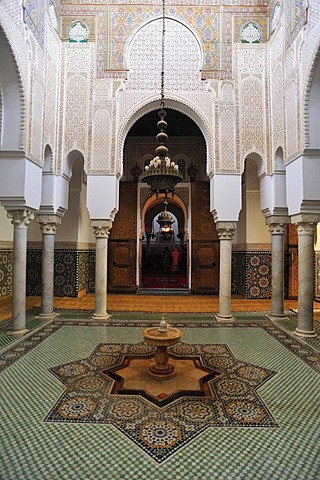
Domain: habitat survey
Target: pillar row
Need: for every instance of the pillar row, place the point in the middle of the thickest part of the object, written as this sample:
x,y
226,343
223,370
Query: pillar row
x,y
225,232
101,230
48,226
20,220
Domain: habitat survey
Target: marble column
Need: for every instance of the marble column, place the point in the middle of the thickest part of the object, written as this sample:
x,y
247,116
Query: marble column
x,y
306,229
277,228
225,233
101,230
48,226
20,219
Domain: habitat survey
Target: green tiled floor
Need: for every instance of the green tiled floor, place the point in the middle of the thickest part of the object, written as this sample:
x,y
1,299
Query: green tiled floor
x,y
32,449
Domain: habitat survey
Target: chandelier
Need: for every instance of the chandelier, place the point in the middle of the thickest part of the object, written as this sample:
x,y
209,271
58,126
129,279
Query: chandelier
x,y
162,175
165,221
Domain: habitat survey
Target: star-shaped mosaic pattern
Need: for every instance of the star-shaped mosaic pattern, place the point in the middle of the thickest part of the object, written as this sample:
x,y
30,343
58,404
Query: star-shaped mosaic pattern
x,y
227,396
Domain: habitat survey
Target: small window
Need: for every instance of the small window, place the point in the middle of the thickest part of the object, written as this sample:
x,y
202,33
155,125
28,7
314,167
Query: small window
x,y
250,33
78,33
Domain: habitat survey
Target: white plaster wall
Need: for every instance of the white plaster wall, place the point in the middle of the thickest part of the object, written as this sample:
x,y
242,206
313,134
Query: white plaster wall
x,y
251,227
34,232
317,238
68,230
85,232
6,229
241,231
256,229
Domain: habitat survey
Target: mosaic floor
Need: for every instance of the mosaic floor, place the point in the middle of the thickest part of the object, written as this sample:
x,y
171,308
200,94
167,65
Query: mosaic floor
x,y
258,419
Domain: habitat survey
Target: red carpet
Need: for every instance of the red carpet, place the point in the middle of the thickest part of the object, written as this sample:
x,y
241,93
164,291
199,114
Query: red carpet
x,y
164,280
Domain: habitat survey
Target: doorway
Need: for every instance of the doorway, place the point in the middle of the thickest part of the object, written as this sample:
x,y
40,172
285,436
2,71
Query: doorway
x,y
164,254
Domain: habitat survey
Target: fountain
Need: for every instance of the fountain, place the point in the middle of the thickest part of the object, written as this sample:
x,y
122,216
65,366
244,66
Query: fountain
x,y
161,337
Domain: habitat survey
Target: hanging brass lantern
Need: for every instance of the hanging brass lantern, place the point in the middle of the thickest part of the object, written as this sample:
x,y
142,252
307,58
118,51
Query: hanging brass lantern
x,y
162,175
165,221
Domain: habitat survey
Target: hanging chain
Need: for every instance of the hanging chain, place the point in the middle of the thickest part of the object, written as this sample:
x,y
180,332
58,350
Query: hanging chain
x,y
162,54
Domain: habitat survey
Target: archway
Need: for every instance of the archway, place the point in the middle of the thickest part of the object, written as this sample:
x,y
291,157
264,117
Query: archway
x,y
132,228
156,265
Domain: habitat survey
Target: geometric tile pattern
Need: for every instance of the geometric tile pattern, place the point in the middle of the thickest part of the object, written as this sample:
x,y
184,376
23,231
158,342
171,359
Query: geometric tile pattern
x,y
75,271
162,431
32,449
6,260
258,275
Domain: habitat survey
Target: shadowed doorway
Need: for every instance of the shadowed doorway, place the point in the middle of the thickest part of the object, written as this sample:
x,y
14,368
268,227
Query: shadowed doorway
x,y
164,254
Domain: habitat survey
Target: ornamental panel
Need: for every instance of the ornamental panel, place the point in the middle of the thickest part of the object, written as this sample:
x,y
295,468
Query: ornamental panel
x,y
292,114
182,58
252,118
76,113
227,144
277,108
36,122
101,141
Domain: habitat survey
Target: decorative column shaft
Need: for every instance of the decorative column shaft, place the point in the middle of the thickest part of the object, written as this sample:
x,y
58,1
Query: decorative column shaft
x,y
225,233
277,229
101,230
48,226
306,231
20,219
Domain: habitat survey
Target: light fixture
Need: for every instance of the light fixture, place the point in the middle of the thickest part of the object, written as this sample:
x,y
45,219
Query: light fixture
x,y
162,175
165,221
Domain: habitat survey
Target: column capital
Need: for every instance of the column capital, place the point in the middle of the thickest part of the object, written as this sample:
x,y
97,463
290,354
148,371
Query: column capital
x,y
48,223
306,228
20,218
277,228
101,228
226,230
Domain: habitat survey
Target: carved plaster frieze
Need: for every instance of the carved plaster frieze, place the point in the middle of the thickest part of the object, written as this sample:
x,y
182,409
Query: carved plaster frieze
x,y
277,220
301,218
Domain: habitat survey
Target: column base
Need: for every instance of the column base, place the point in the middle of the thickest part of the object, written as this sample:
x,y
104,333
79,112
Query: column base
x,y
224,318
18,333
97,316
47,316
305,333
274,316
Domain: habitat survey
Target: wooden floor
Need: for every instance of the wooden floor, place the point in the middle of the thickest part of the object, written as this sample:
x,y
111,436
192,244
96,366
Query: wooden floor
x,y
150,303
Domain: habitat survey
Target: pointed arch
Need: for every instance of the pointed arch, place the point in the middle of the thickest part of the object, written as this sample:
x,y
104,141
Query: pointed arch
x,y
312,104
13,98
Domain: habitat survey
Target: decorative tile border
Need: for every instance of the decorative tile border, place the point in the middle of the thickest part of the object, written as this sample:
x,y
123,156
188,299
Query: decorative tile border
x,y
308,354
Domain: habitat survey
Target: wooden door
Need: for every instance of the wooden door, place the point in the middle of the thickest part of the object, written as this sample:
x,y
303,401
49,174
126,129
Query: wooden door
x,y
204,242
123,242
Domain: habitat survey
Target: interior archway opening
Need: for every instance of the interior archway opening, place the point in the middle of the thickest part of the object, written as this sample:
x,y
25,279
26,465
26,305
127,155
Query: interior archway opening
x,y
164,251
136,245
